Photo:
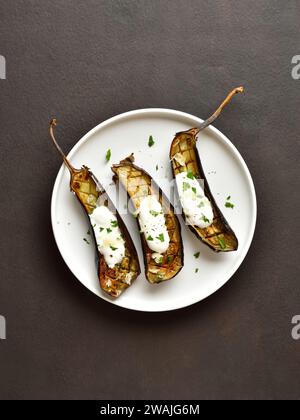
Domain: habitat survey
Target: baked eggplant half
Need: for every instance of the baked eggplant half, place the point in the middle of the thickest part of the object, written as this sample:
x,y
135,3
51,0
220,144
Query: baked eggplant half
x,y
118,264
199,208
159,226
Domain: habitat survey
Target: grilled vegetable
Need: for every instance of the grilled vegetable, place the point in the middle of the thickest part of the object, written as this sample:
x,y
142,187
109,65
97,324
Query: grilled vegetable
x,y
184,157
113,280
139,186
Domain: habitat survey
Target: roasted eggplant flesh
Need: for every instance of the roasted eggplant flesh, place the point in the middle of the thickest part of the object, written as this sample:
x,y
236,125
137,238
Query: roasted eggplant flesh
x,y
91,194
184,157
140,185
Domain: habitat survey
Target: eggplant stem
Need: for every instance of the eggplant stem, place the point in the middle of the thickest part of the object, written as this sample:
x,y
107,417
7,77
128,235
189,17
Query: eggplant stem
x,y
53,123
215,115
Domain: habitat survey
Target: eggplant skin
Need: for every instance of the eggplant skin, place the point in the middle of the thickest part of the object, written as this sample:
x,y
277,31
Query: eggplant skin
x,y
219,236
89,192
139,184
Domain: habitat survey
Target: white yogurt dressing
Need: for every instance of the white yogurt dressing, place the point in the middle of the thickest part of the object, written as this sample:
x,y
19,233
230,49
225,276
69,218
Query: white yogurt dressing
x,y
196,206
108,235
153,225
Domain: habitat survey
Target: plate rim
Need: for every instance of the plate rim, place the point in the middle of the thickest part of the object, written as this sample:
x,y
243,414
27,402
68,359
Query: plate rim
x,y
161,111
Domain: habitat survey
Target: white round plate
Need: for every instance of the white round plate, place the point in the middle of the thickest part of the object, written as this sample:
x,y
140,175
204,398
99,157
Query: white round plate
x,y
227,175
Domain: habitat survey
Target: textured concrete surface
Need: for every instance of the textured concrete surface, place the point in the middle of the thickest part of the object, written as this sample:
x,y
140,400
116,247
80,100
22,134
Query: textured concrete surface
x,y
84,61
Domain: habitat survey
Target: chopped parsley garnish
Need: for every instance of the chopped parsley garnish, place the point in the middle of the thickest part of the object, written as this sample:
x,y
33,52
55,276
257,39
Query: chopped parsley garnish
x,y
197,270
154,213
190,175
108,230
150,238
222,243
114,223
185,186
228,204
113,248
194,190
205,219
88,232
151,141
108,155
157,167
101,229
169,259
86,241
200,205
197,255
161,237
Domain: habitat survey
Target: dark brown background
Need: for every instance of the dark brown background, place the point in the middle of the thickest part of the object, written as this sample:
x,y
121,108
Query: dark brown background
x,y
84,61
